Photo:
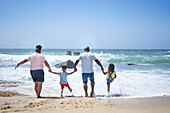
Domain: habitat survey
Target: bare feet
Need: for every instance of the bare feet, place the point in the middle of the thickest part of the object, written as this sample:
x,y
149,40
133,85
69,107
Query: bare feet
x,y
92,92
39,97
86,95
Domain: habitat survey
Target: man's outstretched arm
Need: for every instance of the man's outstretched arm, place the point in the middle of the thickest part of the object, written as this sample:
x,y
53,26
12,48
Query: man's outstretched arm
x,y
22,62
98,62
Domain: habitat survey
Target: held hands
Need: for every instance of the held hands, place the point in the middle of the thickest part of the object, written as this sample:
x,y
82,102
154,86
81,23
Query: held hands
x,y
103,70
17,66
50,70
75,69
104,73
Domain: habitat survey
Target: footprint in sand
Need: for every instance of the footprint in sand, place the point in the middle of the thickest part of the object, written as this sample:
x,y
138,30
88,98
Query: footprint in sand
x,y
7,107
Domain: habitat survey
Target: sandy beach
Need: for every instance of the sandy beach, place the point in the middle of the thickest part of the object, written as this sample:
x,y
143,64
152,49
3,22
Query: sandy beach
x,y
28,104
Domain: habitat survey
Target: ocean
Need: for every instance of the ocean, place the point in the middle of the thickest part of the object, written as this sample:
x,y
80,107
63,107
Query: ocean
x,y
148,76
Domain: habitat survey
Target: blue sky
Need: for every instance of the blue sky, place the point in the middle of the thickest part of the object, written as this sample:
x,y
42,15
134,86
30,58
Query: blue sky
x,y
105,24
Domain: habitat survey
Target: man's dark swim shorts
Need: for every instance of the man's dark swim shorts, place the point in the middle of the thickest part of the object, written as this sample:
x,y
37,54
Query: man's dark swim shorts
x,y
37,75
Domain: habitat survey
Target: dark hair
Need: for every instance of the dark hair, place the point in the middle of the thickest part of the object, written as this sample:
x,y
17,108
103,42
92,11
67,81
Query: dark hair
x,y
64,67
87,49
38,47
111,68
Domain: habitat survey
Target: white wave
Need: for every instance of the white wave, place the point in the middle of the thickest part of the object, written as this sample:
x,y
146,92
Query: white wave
x,y
105,58
133,83
167,56
145,64
11,59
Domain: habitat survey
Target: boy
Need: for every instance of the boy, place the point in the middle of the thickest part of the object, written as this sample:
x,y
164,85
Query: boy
x,y
63,79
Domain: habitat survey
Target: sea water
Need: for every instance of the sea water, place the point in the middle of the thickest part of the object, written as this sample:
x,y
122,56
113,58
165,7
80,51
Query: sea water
x,y
148,76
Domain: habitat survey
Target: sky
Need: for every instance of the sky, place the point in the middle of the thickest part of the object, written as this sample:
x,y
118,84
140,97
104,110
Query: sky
x,y
100,24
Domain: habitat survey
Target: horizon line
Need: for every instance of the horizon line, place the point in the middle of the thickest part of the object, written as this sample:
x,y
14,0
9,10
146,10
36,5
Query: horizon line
x,y
97,48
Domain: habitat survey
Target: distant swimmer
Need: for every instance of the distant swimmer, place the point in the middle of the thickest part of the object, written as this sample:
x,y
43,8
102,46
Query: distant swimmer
x,y
131,64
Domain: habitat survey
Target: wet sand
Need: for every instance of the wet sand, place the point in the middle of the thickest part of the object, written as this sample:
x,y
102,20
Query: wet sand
x,y
28,104
8,84
11,102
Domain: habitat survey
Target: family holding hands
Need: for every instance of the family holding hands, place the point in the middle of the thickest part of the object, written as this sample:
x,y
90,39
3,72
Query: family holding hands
x,y
36,69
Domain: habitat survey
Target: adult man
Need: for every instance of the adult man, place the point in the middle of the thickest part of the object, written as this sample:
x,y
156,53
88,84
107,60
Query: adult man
x,y
87,69
36,68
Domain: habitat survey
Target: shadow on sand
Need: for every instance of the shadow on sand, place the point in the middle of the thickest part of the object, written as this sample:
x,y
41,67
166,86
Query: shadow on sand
x,y
60,97
113,95
51,98
67,96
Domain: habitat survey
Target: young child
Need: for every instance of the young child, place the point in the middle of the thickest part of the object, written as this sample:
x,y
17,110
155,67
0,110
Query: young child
x,y
111,75
63,79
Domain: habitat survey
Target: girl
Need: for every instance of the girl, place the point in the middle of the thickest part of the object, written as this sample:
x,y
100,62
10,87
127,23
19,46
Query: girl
x,y
111,75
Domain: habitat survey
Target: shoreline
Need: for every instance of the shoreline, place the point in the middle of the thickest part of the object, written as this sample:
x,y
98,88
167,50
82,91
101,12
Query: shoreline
x,y
6,93
28,104
114,96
